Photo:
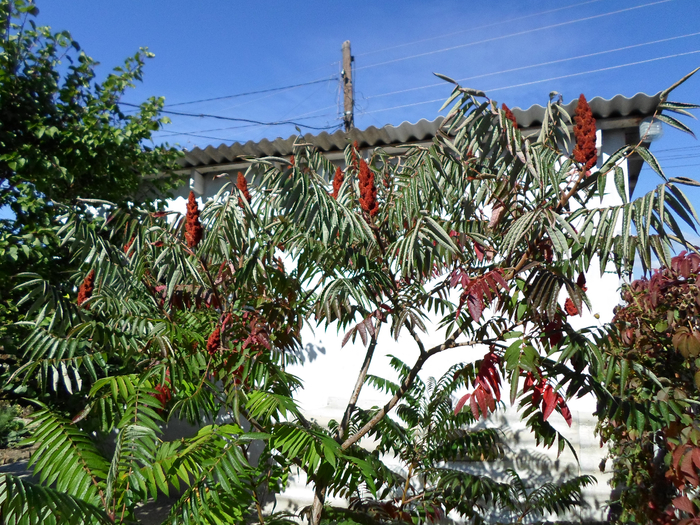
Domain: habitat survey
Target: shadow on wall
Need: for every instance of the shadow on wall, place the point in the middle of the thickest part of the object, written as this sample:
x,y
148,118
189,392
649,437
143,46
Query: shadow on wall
x,y
309,353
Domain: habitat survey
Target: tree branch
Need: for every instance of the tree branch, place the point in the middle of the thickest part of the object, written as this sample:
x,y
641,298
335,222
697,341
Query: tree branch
x,y
405,386
358,385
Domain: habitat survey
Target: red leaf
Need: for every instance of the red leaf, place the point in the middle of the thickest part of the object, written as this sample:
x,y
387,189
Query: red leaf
x,y
529,382
696,456
474,407
581,281
688,469
565,412
537,394
369,325
498,277
488,374
677,455
479,250
491,403
485,288
553,332
476,306
549,401
363,332
482,398
346,338
684,504
461,403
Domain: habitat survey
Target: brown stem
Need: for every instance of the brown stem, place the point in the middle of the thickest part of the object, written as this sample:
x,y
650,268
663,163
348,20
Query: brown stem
x,y
414,498
342,430
406,486
214,289
261,519
405,386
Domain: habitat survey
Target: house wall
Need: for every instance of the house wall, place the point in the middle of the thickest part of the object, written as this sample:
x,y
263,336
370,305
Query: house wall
x,y
329,372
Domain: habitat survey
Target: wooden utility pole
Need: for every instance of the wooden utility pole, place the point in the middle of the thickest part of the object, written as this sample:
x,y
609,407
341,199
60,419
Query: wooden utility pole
x,y
348,99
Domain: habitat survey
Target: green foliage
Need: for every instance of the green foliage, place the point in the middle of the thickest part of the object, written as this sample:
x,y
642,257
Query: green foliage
x,y
526,503
92,486
63,138
12,428
443,453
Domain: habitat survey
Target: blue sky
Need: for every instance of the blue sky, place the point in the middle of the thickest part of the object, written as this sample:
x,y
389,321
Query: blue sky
x,y
220,48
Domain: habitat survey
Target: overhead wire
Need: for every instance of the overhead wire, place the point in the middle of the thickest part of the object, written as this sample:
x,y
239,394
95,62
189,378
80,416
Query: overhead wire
x,y
532,66
511,35
241,126
302,116
258,92
228,139
676,149
560,77
477,28
234,119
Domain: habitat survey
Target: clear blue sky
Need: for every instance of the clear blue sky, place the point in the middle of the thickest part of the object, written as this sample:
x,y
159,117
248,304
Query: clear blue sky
x,y
217,48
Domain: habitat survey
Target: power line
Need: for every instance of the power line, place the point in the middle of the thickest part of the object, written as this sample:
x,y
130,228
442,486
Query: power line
x,y
510,35
240,127
546,79
501,22
233,119
676,149
522,68
294,86
226,139
678,156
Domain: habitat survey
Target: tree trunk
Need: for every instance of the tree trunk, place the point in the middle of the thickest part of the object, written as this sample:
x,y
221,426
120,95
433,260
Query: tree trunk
x,y
317,505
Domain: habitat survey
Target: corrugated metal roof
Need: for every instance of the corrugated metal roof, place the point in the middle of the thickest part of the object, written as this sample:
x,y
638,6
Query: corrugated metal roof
x,y
640,105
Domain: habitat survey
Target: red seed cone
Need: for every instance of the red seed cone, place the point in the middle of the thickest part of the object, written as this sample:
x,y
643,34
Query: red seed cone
x,y
127,246
570,307
546,249
193,228
368,190
242,185
214,341
581,282
584,130
354,155
509,115
337,182
86,289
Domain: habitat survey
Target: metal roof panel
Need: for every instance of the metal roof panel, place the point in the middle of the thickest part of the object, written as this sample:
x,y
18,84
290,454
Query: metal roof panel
x,y
640,105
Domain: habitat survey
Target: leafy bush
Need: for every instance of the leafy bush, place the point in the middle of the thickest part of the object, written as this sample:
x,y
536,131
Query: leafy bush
x,y
648,412
12,428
